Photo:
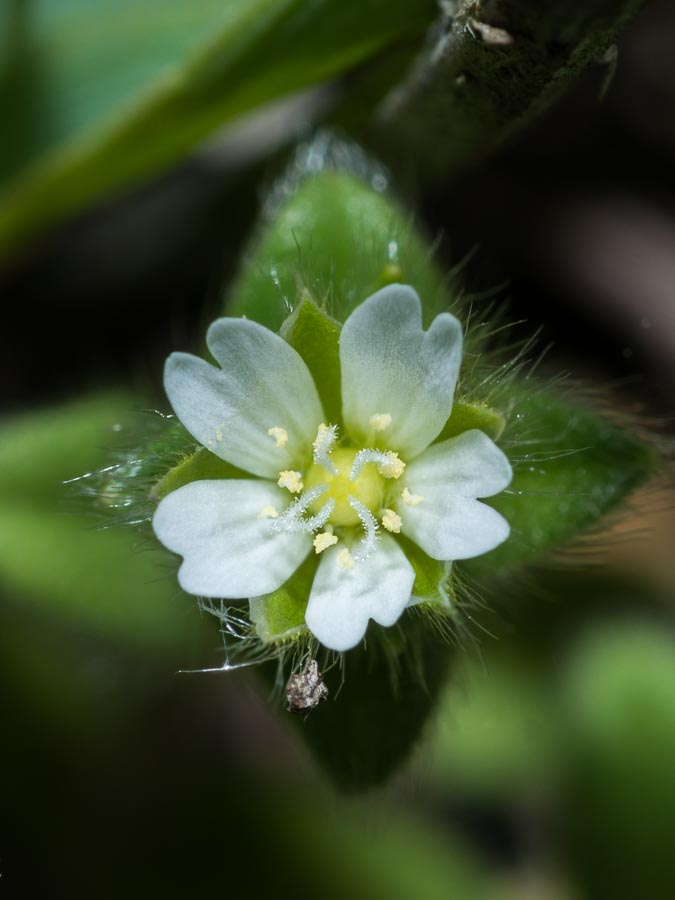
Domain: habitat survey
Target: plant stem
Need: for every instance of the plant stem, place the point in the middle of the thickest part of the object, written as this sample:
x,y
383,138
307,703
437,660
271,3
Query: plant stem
x,y
493,67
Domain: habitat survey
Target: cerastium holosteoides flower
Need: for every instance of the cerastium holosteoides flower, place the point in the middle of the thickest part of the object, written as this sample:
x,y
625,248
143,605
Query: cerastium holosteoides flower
x,y
324,483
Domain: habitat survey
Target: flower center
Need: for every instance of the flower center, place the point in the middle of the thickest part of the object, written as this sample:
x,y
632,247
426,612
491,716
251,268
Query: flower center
x,y
367,488
343,487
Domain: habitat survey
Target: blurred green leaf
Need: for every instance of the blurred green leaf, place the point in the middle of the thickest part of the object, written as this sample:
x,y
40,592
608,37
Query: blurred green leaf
x,y
104,95
42,449
91,578
353,853
572,466
496,730
57,680
619,794
53,556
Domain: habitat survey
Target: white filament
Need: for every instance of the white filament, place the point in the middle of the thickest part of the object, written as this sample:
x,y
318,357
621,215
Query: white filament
x,y
322,446
292,521
370,527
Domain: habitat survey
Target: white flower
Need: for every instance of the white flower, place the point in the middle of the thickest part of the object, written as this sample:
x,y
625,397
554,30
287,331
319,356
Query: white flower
x,y
345,495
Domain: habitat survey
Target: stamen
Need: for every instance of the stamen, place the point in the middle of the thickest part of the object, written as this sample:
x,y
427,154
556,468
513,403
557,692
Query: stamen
x,y
280,435
219,435
322,446
345,560
268,512
291,519
370,526
291,480
392,521
411,499
392,467
380,421
323,541
389,464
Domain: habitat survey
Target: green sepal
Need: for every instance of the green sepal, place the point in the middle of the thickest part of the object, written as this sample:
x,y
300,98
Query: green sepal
x,y
467,416
431,575
571,467
315,336
281,615
199,466
341,240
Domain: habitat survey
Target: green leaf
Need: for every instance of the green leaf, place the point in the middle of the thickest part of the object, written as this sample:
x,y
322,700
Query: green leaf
x,y
379,703
315,336
339,239
106,95
571,467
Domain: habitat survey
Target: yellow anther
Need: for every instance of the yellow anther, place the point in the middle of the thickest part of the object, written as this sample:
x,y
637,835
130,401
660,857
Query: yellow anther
x,y
411,499
268,512
219,435
392,521
290,480
392,466
380,421
280,435
345,560
323,541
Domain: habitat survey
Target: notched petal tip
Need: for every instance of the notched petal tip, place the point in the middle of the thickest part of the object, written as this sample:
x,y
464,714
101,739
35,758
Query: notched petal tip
x,y
344,598
262,386
390,364
228,549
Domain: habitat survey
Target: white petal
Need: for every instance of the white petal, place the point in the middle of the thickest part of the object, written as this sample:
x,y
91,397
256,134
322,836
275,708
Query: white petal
x,y
390,366
263,384
228,550
469,465
449,523
449,529
343,600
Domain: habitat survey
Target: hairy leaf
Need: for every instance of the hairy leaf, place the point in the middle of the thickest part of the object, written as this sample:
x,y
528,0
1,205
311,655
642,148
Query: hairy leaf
x,y
572,466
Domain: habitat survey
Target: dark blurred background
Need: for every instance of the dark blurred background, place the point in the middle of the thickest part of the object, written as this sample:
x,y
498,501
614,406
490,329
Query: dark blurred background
x,y
550,773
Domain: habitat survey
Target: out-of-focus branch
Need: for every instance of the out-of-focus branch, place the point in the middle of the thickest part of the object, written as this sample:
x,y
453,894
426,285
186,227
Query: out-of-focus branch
x,y
494,65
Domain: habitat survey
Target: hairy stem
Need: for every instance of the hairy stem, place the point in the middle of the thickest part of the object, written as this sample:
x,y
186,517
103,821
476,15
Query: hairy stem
x,y
493,66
